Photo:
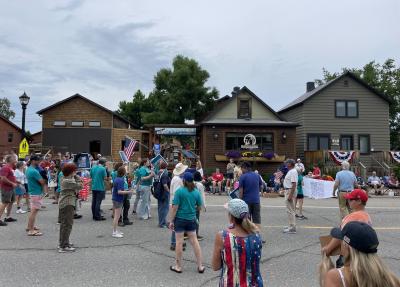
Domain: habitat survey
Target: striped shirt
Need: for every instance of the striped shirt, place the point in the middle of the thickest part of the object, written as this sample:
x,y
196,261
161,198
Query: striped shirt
x,y
241,261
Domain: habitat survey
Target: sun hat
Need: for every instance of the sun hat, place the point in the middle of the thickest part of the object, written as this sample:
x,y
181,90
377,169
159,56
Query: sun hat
x,y
179,168
188,177
237,208
360,236
357,194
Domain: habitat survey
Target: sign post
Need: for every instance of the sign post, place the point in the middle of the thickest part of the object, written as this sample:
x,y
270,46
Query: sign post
x,y
23,149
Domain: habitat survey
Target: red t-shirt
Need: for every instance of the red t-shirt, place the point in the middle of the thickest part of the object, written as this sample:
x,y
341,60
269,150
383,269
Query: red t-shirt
x,y
316,172
8,172
217,176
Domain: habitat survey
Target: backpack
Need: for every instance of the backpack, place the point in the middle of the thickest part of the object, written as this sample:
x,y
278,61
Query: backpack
x,y
158,189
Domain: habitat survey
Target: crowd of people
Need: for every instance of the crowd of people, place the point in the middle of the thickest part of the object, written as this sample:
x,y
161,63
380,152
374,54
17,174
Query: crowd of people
x,y
181,199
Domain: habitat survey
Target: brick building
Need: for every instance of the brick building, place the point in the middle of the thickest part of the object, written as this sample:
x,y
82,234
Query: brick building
x,y
77,124
10,136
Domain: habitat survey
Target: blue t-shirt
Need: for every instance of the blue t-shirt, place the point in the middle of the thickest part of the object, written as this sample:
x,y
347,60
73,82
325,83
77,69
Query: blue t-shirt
x,y
187,202
33,176
98,173
346,179
251,183
118,184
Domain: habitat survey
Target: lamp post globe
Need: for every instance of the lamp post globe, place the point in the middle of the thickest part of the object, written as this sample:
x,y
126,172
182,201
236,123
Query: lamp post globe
x,y
24,100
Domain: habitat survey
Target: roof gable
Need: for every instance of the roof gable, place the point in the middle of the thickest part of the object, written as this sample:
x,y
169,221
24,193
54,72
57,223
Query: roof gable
x,y
10,123
90,102
226,107
306,96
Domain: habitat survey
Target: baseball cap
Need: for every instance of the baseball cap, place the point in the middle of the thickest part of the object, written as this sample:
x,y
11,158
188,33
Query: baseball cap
x,y
35,157
237,208
188,177
357,194
360,236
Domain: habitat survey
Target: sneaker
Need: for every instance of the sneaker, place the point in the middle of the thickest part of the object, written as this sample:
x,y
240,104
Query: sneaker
x,y
121,224
120,232
77,216
66,249
290,230
200,238
21,211
117,235
128,222
9,219
2,223
302,217
297,216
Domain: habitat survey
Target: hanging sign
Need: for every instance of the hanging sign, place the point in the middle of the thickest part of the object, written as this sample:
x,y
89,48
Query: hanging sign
x,y
249,141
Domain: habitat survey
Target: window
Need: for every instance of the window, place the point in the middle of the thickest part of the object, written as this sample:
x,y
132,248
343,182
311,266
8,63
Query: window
x,y
244,109
346,109
234,141
364,144
94,124
346,142
59,123
318,142
76,123
10,137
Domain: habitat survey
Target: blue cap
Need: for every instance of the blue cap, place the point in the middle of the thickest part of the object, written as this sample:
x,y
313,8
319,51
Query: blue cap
x,y
188,177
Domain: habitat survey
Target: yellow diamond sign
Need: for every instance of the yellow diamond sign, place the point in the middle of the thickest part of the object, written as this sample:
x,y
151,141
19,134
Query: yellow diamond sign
x,y
23,148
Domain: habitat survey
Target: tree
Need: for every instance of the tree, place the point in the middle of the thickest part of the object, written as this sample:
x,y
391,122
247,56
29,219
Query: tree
x,y
133,111
5,109
180,93
384,78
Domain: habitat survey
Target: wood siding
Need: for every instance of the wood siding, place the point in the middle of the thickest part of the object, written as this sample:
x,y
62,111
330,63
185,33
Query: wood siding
x,y
7,146
210,147
118,135
317,115
77,109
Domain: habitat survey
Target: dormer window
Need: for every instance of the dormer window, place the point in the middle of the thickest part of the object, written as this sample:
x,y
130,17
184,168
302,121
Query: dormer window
x,y
244,111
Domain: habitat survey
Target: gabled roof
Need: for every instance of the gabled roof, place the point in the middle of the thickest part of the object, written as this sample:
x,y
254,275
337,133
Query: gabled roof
x,y
10,123
87,100
303,98
227,99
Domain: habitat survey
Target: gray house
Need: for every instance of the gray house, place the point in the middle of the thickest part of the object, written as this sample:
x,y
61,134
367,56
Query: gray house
x,y
343,114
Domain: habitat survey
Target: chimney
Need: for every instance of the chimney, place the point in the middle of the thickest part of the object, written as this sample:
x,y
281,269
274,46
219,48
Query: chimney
x,y
235,91
310,86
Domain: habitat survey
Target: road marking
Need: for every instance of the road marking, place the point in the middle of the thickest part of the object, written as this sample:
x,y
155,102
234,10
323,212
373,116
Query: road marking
x,y
326,227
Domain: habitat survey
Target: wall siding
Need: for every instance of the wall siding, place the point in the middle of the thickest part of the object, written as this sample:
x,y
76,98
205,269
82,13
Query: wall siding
x,y
77,109
296,115
118,135
5,146
373,118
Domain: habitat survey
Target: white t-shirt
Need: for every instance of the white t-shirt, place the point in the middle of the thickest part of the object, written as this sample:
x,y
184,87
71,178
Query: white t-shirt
x,y
176,182
300,166
290,178
201,188
20,176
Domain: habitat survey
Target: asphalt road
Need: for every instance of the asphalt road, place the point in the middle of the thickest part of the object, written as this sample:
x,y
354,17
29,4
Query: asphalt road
x,y
142,257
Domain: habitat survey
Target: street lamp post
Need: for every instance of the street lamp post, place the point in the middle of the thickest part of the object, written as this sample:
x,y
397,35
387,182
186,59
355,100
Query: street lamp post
x,y
24,100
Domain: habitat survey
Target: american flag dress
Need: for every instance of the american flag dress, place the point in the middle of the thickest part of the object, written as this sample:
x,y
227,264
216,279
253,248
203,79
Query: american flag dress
x,y
241,261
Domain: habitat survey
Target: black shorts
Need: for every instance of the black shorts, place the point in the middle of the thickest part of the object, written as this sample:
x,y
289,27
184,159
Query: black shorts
x,y
229,175
184,225
300,195
255,212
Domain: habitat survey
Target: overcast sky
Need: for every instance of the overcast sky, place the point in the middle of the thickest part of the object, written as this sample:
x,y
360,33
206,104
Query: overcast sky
x,y
106,50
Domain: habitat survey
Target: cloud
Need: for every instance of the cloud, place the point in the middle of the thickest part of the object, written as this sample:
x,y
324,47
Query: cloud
x,y
69,6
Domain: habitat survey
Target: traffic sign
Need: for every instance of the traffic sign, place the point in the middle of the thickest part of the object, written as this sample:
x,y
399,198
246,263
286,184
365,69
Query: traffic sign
x,y
23,148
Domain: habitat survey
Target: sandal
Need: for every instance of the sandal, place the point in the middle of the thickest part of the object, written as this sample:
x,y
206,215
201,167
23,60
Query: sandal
x,y
173,268
37,233
201,270
34,228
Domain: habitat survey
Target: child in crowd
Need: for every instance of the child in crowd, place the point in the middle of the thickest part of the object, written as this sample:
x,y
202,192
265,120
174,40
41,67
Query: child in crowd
x,y
20,189
118,193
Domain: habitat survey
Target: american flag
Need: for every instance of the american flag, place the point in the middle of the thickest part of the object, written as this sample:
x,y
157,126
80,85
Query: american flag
x,y
129,147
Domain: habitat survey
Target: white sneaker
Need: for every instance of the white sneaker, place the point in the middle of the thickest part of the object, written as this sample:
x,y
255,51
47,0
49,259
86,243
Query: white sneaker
x,y
120,232
21,211
18,211
290,230
117,235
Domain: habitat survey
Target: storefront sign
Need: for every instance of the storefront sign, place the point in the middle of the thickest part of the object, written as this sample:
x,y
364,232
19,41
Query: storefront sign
x,y
249,142
176,131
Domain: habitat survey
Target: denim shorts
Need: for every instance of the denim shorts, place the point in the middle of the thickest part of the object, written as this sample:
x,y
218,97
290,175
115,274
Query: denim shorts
x,y
184,225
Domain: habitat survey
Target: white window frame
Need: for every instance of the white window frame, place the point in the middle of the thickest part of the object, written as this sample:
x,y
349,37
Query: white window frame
x,y
59,123
94,124
77,123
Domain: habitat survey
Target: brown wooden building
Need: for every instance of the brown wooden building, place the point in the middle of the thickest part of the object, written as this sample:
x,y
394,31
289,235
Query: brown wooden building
x,y
77,124
236,116
10,136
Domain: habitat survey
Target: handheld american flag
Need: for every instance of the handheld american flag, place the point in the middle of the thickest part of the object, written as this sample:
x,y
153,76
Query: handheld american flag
x,y
129,147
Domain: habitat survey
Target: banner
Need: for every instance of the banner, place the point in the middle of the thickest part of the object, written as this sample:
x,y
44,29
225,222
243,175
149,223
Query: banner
x,y
317,189
395,155
341,156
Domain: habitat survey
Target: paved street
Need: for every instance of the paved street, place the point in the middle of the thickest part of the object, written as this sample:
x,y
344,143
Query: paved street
x,y
143,257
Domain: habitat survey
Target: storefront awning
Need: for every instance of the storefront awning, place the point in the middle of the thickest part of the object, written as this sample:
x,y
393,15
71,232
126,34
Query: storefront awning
x,y
175,131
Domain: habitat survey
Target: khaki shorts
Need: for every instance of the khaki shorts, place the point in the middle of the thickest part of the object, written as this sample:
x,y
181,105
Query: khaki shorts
x,y
7,196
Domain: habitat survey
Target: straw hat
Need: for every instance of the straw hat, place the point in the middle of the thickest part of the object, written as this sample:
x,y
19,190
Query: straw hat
x,y
179,168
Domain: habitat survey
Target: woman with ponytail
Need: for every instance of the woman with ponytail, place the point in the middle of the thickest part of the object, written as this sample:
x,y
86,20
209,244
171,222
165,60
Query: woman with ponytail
x,y
237,250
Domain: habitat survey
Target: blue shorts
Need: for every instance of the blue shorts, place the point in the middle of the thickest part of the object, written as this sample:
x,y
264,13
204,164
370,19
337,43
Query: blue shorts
x,y
184,225
19,190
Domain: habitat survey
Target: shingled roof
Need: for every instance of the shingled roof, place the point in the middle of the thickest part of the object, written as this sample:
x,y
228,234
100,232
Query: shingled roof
x,y
306,96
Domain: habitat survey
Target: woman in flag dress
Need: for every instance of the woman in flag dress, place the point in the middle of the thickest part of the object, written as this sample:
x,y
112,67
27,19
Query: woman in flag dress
x,y
237,249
